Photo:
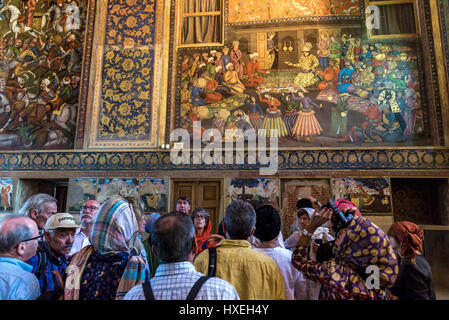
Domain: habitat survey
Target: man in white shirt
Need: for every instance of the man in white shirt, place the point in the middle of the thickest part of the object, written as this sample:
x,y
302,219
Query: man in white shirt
x,y
88,211
268,226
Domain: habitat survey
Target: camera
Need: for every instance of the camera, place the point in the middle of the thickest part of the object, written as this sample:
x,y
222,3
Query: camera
x,y
339,219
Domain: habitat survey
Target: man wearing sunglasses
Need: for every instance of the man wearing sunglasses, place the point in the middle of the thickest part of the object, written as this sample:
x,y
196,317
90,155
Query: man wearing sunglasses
x,y
18,242
87,214
50,262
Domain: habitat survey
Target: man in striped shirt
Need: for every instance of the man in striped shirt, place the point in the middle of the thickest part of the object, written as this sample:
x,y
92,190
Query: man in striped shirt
x,y
173,240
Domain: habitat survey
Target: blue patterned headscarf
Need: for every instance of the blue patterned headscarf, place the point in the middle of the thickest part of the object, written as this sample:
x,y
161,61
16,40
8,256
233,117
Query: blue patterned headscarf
x,y
150,221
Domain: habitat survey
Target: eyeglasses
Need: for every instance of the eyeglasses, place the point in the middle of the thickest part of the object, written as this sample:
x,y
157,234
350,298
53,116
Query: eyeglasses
x,y
200,217
91,208
31,239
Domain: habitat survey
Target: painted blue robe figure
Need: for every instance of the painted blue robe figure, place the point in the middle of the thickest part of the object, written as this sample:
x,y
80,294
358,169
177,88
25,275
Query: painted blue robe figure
x,y
344,78
254,107
196,96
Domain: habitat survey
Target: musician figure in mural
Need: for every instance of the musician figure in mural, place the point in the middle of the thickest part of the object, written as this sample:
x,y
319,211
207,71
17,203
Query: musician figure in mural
x,y
307,76
323,50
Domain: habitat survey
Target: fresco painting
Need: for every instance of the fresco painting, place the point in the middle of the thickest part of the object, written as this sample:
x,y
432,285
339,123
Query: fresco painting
x,y
6,195
263,10
370,195
41,49
319,86
154,195
257,191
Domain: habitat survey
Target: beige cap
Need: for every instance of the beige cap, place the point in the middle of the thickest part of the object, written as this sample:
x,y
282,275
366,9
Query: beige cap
x,y
61,220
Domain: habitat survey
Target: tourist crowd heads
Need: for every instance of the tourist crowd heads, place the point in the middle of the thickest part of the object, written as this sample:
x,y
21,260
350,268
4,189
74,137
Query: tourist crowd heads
x,y
114,252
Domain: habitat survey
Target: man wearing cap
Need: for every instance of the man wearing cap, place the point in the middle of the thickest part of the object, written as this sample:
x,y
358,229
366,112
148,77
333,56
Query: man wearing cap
x,y
50,262
88,211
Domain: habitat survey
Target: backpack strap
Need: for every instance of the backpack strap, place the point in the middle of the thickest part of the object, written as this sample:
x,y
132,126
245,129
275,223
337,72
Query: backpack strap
x,y
148,291
212,262
196,287
42,263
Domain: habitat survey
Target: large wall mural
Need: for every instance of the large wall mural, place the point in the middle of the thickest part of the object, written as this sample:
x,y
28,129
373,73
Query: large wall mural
x,y
318,85
263,10
40,70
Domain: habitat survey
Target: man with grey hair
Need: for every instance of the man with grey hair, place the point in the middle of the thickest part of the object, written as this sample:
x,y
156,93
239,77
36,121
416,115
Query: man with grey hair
x,y
39,207
18,242
173,242
254,275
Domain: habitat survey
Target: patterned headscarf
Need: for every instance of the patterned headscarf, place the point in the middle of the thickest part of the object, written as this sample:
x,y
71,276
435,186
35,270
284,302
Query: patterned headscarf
x,y
366,244
115,227
114,230
410,236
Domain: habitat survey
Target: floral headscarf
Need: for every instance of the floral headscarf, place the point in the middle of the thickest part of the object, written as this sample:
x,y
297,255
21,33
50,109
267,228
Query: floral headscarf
x,y
366,244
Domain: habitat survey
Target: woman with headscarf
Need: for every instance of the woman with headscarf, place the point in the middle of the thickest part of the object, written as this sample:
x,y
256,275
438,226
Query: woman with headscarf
x,y
106,269
414,280
303,219
359,244
201,222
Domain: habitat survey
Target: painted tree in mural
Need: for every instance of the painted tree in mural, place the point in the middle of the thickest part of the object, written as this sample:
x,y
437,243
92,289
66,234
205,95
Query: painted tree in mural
x,y
321,84
40,71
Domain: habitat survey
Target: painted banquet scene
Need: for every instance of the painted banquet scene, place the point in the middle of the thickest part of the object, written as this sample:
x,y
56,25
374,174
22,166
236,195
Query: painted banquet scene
x,y
224,150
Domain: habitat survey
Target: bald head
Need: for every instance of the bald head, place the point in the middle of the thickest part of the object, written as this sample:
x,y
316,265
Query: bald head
x,y
15,234
173,237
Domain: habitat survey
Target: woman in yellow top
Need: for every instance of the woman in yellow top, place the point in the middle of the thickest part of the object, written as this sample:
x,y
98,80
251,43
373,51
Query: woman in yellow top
x,y
307,64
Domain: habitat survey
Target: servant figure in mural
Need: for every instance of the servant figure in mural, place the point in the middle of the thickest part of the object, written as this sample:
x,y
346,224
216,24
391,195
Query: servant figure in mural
x,y
330,77
388,97
306,124
323,50
236,56
255,112
344,49
232,80
252,72
414,280
307,64
334,48
271,50
389,129
226,58
341,278
273,117
339,117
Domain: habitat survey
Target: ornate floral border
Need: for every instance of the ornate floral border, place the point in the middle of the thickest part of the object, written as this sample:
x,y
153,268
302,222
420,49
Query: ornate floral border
x,y
430,159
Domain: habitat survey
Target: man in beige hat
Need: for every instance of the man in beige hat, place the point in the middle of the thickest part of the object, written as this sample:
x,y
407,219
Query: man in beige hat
x,y
50,262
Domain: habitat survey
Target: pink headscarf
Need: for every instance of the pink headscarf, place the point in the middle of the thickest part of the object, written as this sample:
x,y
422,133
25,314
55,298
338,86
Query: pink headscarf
x,y
343,204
